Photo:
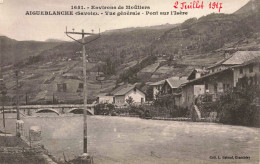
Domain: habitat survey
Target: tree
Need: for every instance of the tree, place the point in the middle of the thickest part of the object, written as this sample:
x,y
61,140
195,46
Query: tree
x,y
237,106
129,100
149,92
3,90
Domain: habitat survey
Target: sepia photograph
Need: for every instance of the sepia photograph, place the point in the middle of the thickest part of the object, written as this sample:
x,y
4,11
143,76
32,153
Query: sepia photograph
x,y
129,81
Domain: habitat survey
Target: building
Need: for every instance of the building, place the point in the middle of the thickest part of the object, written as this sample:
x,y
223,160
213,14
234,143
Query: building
x,y
171,85
123,94
197,73
212,84
157,88
236,58
105,98
225,78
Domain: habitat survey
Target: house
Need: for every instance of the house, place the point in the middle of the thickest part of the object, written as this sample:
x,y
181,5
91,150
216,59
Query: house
x,y
197,73
157,87
171,85
236,58
224,79
249,69
212,83
105,98
123,94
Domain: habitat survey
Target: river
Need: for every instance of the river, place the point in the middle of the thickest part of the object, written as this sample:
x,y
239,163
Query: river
x,y
134,140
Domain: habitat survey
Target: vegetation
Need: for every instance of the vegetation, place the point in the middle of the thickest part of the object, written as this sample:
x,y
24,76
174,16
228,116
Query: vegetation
x,y
207,33
236,107
165,106
129,100
149,93
187,45
104,109
130,75
109,68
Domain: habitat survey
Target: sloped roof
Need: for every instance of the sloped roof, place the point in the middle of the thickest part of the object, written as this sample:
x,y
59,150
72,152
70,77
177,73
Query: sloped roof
x,y
240,57
113,92
206,76
175,83
198,70
157,83
218,63
102,94
124,91
184,78
237,58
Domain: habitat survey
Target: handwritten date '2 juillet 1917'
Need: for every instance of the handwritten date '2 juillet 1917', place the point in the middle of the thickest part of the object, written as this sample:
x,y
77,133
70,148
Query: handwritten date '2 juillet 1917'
x,y
197,5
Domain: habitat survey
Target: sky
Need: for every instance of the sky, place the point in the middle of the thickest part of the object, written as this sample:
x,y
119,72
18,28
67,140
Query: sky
x,y
16,25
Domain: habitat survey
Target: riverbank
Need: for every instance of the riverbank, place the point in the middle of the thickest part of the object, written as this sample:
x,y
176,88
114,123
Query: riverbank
x,y
14,150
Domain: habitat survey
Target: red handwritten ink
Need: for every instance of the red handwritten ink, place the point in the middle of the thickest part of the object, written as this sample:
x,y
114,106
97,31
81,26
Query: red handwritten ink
x,y
197,5
217,5
192,5
176,5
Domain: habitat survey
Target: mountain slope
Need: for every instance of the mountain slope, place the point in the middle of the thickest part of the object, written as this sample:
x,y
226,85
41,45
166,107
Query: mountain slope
x,y
13,51
138,55
252,5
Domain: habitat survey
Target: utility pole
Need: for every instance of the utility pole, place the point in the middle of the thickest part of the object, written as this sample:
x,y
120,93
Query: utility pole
x,y
83,43
17,94
3,91
26,98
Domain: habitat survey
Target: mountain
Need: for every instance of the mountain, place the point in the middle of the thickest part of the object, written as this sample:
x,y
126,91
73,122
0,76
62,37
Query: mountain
x,y
208,33
14,51
156,27
54,40
252,5
120,46
131,54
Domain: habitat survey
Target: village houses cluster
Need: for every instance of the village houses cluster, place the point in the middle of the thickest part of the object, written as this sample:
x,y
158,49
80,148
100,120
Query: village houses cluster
x,y
213,80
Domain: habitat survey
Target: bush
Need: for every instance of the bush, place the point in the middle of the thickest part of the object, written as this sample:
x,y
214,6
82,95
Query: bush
x,y
104,109
239,112
236,107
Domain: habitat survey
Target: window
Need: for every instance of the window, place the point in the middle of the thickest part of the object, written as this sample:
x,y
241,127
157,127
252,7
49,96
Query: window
x,y
62,87
80,87
215,87
241,70
251,68
206,86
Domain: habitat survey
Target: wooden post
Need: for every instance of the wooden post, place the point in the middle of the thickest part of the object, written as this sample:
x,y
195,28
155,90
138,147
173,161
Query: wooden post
x,y
17,95
85,124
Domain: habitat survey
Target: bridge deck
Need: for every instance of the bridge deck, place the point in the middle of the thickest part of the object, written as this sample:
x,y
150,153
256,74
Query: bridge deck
x,y
50,106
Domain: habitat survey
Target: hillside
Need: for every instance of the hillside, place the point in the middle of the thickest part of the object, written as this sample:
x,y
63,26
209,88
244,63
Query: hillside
x,y
129,55
208,33
252,5
121,46
13,51
157,27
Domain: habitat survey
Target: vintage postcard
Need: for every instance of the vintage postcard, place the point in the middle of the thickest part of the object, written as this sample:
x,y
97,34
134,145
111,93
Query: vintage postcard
x,y
129,81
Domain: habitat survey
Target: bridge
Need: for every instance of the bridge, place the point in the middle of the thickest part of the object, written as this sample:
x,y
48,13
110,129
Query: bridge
x,y
59,109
